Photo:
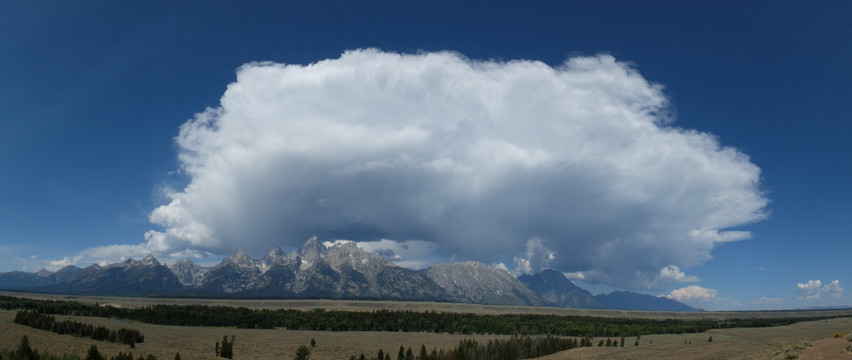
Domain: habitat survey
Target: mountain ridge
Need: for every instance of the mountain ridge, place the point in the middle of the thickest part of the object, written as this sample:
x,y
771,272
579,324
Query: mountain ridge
x,y
332,270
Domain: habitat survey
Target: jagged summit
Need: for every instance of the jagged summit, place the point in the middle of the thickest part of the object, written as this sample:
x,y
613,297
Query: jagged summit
x,y
275,253
188,273
240,258
309,252
43,272
186,260
150,260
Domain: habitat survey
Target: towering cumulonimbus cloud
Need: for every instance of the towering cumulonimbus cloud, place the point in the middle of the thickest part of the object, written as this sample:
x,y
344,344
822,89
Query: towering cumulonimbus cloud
x,y
486,160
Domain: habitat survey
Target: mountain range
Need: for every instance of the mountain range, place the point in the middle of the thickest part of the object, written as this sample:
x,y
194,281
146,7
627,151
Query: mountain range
x,y
339,270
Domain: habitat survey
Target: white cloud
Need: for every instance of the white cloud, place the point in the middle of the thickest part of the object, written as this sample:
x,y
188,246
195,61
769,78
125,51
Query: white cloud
x,y
673,273
66,261
809,290
501,266
476,157
537,258
577,275
833,288
814,290
693,293
412,254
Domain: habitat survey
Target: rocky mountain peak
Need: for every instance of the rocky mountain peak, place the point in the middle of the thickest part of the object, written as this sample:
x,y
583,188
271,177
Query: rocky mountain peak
x,y
186,261
149,260
43,273
275,253
240,258
310,252
188,272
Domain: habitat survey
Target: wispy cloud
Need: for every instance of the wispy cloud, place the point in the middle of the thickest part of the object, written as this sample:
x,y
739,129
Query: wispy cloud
x,y
693,293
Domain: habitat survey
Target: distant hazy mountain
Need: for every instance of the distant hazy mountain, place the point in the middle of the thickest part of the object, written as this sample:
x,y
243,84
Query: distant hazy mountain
x,y
18,279
626,300
132,277
477,283
554,287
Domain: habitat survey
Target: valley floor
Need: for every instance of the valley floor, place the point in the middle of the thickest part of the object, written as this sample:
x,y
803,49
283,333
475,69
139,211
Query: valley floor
x,y
199,342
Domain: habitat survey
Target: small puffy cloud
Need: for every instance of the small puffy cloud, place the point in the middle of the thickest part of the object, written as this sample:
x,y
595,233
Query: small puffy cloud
x,y
673,273
809,290
814,290
66,261
501,266
477,157
693,293
833,289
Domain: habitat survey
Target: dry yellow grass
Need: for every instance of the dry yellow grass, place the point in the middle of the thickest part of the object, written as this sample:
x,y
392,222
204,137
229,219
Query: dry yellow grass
x,y
741,343
198,342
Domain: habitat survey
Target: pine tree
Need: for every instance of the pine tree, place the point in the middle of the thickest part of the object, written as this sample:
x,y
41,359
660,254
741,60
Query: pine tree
x,y
381,355
227,348
423,354
25,352
303,353
401,354
93,354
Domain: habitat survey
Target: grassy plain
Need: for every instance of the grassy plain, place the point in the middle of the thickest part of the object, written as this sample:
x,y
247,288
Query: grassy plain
x,y
366,305
198,342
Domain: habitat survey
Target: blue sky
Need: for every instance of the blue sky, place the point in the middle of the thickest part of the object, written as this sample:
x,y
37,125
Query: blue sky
x,y
94,98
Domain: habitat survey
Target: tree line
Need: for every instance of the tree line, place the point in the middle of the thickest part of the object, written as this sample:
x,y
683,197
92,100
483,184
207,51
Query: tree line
x,y
514,348
26,352
70,327
392,320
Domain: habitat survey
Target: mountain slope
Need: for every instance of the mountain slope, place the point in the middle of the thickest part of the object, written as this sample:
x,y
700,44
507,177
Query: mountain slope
x,y
626,300
18,280
132,277
554,287
477,283
188,273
